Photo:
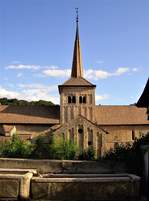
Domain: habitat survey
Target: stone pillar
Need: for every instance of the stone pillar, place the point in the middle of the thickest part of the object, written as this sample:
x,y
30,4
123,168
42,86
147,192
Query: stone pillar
x,y
25,186
103,150
85,143
76,135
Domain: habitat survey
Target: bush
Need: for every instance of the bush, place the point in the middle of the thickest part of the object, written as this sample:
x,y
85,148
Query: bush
x,y
58,148
16,148
130,154
63,149
41,149
88,154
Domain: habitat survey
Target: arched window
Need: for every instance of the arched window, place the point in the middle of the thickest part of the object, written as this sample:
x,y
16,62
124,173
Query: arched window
x,y
69,99
90,137
84,99
73,99
80,99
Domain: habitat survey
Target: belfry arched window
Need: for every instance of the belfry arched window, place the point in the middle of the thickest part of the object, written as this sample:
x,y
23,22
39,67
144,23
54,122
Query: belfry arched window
x,y
82,99
71,99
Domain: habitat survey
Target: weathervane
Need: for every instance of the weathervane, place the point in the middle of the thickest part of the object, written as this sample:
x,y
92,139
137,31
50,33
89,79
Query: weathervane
x,y
77,15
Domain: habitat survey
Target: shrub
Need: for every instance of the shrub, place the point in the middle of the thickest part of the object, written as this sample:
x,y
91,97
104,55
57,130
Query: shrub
x,y
16,148
63,149
88,154
130,154
41,149
58,148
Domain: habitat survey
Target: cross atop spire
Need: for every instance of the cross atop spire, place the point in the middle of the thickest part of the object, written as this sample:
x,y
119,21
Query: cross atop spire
x,y
77,15
77,68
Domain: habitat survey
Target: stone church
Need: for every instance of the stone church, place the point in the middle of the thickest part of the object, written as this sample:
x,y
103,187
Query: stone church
x,y
78,118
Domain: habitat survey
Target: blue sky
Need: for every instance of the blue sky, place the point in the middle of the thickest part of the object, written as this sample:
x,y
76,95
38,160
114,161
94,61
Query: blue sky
x,y
36,47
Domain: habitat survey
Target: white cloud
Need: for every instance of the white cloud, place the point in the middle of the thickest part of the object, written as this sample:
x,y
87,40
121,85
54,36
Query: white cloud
x,y
39,91
32,92
23,66
37,86
135,69
101,97
94,74
56,72
100,74
8,93
121,71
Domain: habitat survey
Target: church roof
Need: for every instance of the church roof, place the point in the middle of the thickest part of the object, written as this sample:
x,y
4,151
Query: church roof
x,y
121,115
144,98
77,82
104,115
10,114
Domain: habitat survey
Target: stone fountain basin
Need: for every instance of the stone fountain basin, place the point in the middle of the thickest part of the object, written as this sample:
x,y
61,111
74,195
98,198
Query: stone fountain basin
x,y
85,187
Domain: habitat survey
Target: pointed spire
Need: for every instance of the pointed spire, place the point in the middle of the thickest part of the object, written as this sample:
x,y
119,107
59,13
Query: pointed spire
x,y
77,68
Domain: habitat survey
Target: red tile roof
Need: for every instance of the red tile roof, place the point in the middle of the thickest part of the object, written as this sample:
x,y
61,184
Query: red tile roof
x,y
10,114
104,115
79,81
121,115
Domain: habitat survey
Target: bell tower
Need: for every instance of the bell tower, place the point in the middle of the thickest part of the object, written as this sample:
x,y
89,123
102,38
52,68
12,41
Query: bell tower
x,y
77,95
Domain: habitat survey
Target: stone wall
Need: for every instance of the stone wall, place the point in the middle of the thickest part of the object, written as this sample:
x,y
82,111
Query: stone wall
x,y
84,187
123,134
101,187
70,111
63,166
34,130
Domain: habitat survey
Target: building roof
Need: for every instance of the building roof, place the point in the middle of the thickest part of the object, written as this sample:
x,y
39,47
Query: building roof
x,y
144,98
10,114
104,115
121,115
77,82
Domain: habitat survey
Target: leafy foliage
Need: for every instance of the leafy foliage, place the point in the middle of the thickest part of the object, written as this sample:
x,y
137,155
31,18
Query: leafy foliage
x,y
6,101
16,148
63,149
57,149
130,154
88,154
41,149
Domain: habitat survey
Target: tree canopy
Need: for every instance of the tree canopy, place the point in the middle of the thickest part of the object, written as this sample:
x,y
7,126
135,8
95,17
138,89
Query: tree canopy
x,y
6,101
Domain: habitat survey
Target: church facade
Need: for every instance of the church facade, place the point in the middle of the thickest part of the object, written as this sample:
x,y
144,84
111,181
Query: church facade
x,y
78,118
